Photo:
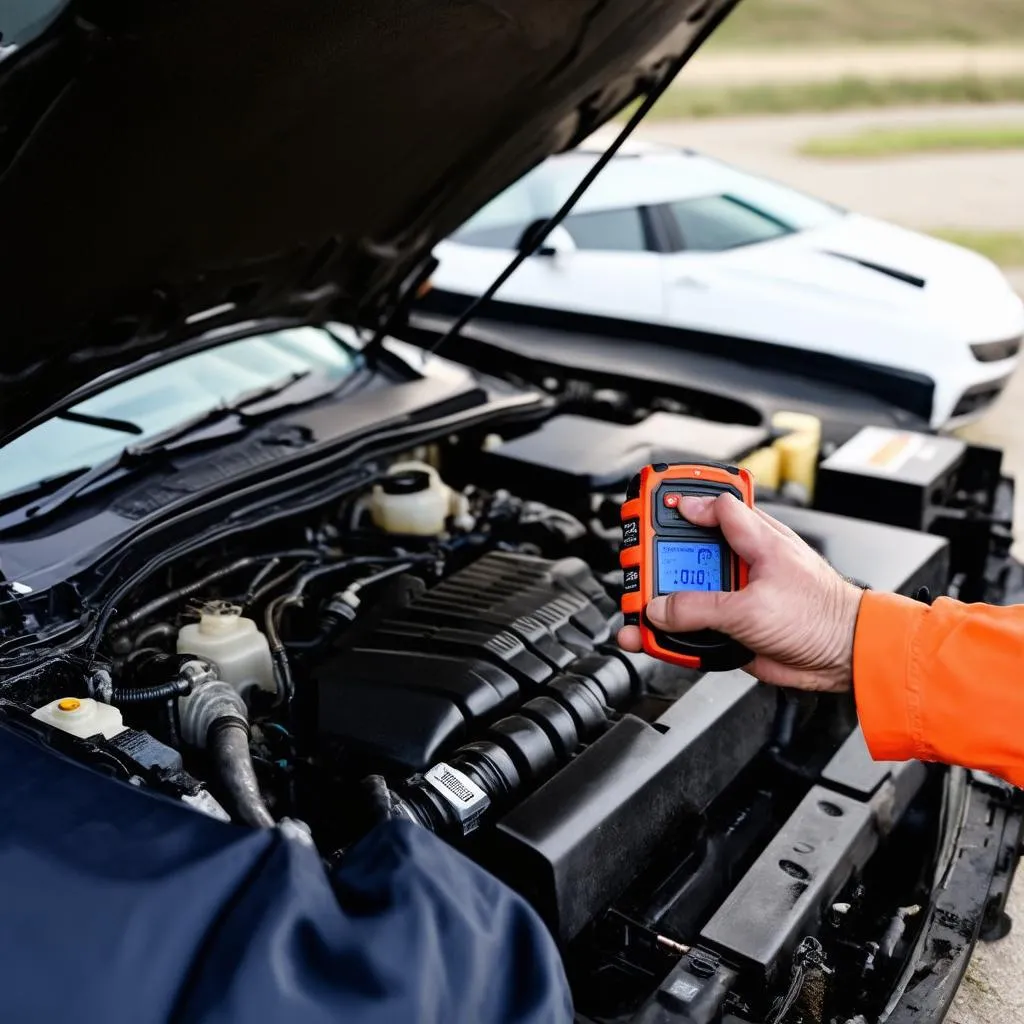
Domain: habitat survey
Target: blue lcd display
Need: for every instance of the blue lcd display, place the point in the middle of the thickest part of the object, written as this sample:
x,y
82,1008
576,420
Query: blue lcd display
x,y
688,565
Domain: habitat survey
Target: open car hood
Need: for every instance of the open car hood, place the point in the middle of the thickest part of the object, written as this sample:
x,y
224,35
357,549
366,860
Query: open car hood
x,y
168,167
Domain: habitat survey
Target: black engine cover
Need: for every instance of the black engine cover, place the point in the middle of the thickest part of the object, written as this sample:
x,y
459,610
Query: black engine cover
x,y
459,655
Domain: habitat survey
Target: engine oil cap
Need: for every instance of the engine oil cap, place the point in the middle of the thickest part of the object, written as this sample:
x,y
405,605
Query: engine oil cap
x,y
408,481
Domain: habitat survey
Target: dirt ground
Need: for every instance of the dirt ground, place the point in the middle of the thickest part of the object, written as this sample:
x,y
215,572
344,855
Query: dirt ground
x,y
817,64
971,190
933,190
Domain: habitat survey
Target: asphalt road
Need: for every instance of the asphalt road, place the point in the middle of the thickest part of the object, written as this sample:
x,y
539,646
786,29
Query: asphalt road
x,y
972,190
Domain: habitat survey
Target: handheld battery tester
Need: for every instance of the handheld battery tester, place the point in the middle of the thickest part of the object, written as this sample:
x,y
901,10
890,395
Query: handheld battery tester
x,y
663,553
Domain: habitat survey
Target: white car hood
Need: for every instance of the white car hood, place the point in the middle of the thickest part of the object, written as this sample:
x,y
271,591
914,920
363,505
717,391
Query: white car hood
x,y
882,271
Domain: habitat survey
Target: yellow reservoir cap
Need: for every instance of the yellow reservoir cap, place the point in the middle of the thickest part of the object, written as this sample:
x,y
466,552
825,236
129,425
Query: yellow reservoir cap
x,y
69,704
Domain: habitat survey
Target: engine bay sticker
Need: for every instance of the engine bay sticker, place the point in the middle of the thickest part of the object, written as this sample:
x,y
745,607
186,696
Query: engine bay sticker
x,y
466,798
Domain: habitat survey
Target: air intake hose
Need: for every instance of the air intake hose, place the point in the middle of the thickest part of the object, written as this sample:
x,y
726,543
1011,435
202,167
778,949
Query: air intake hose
x,y
522,750
215,717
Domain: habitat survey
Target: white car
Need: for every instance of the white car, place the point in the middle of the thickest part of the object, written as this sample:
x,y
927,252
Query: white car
x,y
675,239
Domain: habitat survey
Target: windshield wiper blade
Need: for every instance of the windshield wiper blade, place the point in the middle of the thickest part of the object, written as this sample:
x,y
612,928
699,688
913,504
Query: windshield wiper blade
x,y
19,498
134,456
217,414
108,422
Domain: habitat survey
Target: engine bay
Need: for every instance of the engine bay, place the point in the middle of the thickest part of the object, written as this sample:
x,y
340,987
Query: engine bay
x,y
432,648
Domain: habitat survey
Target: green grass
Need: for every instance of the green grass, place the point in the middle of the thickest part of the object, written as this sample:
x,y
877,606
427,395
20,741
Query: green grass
x,y
766,23
938,138
850,93
1003,247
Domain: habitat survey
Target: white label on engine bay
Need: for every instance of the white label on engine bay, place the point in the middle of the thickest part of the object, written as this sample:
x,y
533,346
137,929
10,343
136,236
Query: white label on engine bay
x,y
465,797
878,450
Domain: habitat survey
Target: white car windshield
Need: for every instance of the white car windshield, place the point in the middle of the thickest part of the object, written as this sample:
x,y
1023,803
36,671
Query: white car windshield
x,y
715,205
159,399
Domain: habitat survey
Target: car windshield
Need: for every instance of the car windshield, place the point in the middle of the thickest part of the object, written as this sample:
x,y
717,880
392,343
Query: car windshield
x,y
751,209
717,223
159,399
22,20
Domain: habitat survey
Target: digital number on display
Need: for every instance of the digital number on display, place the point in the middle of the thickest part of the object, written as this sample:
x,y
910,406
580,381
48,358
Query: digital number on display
x,y
689,566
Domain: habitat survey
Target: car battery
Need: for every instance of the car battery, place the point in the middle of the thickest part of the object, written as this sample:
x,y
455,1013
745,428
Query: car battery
x,y
578,455
890,476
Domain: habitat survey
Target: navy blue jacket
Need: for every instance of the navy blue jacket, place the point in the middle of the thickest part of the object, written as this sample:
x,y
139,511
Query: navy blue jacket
x,y
119,906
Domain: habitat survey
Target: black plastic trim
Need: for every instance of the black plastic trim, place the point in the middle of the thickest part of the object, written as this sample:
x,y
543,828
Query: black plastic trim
x,y
972,894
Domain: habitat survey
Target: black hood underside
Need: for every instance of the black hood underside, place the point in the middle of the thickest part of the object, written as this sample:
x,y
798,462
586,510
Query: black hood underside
x,y
162,160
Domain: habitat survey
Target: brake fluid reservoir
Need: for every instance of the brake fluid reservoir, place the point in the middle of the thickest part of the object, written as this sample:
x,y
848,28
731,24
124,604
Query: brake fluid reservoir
x,y
411,499
82,717
233,643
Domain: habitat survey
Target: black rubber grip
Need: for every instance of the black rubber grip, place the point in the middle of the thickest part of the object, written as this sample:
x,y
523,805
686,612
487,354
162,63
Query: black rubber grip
x,y
717,651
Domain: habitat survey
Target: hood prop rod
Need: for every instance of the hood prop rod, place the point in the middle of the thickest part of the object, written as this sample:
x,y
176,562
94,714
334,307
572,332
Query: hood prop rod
x,y
652,97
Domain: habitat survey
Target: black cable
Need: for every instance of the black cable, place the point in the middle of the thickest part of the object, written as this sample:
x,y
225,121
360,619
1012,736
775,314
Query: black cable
x,y
187,589
275,609
283,676
109,609
171,723
278,655
259,578
295,594
269,587
144,694
565,209
380,574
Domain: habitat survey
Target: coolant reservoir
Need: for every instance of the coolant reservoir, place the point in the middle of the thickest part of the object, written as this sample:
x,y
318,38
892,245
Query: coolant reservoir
x,y
233,643
411,499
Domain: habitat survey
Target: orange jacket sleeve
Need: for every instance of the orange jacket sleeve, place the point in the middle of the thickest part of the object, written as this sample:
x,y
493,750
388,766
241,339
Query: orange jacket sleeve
x,y
941,683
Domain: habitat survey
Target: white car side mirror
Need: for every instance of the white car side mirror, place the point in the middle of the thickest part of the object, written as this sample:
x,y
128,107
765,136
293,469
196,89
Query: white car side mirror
x,y
557,242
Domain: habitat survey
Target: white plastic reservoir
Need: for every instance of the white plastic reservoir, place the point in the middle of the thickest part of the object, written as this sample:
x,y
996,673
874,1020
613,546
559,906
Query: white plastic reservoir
x,y
412,499
233,643
82,717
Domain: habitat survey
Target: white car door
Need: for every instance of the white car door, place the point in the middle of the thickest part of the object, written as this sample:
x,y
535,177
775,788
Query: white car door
x,y
702,290
597,263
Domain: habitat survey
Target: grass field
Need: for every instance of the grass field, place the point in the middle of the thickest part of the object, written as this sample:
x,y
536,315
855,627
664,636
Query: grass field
x,y
1003,247
843,94
937,138
759,23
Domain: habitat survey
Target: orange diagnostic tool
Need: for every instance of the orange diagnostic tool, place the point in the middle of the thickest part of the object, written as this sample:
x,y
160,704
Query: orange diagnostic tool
x,y
663,553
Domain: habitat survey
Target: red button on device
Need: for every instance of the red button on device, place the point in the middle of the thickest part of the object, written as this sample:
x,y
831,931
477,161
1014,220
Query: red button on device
x,y
671,500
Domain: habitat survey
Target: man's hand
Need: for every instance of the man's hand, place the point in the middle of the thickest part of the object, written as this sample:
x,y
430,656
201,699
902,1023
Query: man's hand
x,y
796,613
